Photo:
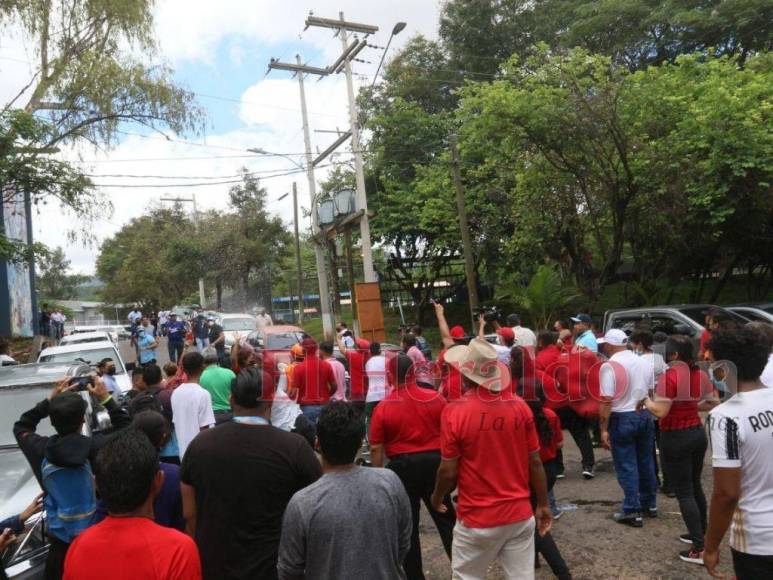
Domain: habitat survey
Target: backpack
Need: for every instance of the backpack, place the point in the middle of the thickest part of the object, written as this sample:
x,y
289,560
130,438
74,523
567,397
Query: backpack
x,y
70,500
145,401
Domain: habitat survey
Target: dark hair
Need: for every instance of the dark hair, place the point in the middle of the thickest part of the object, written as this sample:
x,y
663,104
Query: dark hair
x,y
170,369
416,330
659,337
400,365
682,347
537,406
153,424
248,388
718,315
326,346
547,337
409,340
193,363
104,361
124,470
743,347
375,348
765,330
340,429
66,412
516,363
642,337
151,374
514,319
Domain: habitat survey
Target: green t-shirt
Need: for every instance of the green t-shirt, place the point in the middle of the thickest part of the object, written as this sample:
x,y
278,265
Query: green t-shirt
x,y
217,381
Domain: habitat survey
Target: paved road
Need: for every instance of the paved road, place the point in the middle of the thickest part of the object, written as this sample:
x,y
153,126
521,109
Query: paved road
x,y
592,544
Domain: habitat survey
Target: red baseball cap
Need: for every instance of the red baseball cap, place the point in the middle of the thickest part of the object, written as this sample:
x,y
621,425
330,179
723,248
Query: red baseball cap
x,y
457,332
507,333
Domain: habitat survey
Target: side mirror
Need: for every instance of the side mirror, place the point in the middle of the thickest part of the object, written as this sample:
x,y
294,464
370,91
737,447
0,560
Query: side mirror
x,y
130,367
680,328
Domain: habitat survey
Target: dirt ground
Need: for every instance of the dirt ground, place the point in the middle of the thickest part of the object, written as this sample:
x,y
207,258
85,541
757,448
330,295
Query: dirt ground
x,y
592,544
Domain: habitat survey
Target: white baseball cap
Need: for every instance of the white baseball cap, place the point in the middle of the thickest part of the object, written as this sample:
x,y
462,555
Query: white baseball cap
x,y
615,337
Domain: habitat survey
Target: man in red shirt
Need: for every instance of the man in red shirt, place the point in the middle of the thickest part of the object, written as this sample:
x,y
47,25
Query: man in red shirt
x,y
547,350
128,544
406,428
313,381
356,357
489,446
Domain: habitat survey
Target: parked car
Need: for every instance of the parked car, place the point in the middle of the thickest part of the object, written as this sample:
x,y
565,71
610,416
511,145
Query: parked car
x,y
755,312
21,388
91,353
233,324
275,342
686,319
83,337
116,331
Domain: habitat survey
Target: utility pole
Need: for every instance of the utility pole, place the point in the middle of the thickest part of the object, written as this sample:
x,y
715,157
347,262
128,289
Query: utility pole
x,y
298,255
192,200
359,170
461,207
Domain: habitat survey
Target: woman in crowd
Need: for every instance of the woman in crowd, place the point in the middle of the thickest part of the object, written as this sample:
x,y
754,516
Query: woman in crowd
x,y
682,392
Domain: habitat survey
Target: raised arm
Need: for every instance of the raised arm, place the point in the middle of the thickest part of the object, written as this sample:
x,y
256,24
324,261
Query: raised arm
x,y
445,332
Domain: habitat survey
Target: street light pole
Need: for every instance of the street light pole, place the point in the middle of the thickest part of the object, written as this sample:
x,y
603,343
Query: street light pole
x,y
297,252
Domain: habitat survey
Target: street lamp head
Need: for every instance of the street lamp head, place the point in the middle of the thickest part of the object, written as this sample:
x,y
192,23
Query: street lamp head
x,y
398,28
282,197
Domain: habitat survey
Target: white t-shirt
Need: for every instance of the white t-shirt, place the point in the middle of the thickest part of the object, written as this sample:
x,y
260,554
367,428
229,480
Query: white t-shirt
x,y
503,354
767,373
524,336
627,379
284,411
741,432
192,410
655,361
375,368
340,374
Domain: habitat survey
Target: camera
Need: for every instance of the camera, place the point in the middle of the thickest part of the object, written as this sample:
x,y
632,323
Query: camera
x,y
82,382
490,313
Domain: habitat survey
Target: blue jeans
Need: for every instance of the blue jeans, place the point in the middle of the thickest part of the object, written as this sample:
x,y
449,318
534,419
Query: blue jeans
x,y
202,343
311,412
175,351
633,438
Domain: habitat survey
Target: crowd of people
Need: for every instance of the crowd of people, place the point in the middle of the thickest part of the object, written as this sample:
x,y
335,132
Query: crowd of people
x,y
243,466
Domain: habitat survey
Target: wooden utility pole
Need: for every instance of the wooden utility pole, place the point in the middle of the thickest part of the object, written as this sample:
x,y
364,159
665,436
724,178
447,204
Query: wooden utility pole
x,y
464,226
350,276
298,255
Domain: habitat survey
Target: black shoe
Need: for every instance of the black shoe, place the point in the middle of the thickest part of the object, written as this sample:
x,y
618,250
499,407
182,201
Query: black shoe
x,y
634,520
651,512
667,491
588,472
692,556
686,538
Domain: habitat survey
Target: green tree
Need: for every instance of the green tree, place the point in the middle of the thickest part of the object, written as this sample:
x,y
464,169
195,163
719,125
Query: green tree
x,y
91,76
544,297
53,279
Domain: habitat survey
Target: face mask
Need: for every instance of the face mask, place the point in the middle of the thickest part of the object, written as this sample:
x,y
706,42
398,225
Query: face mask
x,y
111,371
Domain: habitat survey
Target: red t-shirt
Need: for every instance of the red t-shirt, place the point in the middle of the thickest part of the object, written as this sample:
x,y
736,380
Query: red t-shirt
x,y
548,452
408,421
547,356
132,549
451,379
492,434
685,387
705,337
356,374
311,378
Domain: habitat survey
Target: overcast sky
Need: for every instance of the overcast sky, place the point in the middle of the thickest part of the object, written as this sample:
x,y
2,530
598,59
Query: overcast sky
x,y
220,50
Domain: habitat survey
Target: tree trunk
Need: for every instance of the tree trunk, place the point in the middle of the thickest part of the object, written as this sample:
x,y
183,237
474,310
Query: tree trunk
x,y
723,281
219,294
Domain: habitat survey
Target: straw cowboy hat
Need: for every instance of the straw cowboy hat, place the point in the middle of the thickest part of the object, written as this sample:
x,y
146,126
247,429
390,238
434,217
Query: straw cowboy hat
x,y
479,363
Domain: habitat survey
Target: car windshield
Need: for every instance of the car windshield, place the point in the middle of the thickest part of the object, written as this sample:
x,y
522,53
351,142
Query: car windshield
x,y
76,340
238,324
90,357
768,309
282,341
14,402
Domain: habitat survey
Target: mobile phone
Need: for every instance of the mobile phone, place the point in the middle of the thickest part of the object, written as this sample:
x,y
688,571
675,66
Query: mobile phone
x,y
82,382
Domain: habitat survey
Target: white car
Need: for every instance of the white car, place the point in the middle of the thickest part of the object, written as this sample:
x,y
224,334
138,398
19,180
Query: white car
x,y
90,353
233,324
83,337
116,332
